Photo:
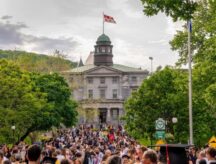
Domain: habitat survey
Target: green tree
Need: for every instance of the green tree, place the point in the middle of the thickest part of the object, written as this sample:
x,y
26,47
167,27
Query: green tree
x,y
59,95
32,102
177,9
203,35
204,111
210,96
204,58
18,103
163,95
203,47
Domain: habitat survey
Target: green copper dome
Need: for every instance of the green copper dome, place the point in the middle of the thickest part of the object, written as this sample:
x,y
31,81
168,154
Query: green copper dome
x,y
103,38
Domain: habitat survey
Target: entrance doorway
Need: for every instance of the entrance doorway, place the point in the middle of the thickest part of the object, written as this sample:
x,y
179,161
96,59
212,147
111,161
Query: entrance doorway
x,y
102,115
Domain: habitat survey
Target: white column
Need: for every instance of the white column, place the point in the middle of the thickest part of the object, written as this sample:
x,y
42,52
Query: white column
x,y
120,87
85,115
121,113
108,115
85,90
96,116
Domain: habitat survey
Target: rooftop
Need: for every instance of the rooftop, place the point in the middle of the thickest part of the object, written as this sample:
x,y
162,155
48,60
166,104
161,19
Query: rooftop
x,y
103,38
118,67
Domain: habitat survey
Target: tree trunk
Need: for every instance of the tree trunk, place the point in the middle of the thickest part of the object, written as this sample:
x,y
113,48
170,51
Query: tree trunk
x,y
24,136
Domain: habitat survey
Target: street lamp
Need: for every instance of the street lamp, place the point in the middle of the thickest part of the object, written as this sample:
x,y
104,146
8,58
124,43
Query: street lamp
x,y
151,58
174,120
13,129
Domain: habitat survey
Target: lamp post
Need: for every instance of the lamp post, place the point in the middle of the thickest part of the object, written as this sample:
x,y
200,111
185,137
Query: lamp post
x,y
174,121
151,58
189,27
13,127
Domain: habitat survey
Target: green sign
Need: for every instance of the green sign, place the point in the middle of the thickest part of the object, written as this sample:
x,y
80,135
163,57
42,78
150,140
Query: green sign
x,y
160,134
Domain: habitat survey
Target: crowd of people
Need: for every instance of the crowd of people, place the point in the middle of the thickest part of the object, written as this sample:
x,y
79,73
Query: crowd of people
x,y
86,145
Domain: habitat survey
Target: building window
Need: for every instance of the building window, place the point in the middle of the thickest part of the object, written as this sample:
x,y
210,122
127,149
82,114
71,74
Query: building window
x,y
102,80
115,93
115,114
103,49
102,94
134,79
108,49
90,93
115,80
90,80
134,89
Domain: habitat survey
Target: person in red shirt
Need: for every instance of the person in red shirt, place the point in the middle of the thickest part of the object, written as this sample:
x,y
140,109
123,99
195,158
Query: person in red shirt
x,y
111,136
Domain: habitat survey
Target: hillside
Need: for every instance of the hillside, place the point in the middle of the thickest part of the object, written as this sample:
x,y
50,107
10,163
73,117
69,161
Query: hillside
x,y
38,62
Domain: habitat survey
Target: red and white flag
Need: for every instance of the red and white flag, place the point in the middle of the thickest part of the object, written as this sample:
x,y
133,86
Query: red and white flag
x,y
109,19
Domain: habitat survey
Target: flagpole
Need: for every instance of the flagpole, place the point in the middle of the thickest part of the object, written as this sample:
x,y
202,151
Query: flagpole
x,y
103,23
190,83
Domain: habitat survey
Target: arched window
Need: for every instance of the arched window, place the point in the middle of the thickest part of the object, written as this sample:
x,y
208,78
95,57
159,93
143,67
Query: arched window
x,y
103,49
108,49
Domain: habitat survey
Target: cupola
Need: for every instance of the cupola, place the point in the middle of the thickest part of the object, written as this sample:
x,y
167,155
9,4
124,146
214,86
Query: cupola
x,y
103,51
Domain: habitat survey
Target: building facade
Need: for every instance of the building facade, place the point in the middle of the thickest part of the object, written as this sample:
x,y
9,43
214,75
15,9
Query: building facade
x,y
101,87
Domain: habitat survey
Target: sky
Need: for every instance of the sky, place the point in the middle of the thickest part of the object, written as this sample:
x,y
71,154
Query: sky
x,y
73,26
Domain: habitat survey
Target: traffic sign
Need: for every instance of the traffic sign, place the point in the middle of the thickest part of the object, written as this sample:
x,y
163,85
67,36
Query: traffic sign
x,y
159,142
160,134
212,142
160,124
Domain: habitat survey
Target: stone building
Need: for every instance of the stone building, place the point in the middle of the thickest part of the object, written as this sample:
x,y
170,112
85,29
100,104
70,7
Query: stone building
x,y
101,86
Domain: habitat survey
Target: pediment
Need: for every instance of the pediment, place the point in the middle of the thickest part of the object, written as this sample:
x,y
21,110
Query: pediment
x,y
103,70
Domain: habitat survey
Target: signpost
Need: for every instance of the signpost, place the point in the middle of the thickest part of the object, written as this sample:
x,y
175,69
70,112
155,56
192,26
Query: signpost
x,y
160,126
212,142
160,134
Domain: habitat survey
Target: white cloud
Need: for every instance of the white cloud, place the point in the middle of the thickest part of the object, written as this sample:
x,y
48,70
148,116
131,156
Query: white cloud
x,y
5,17
73,26
161,41
172,27
13,37
126,7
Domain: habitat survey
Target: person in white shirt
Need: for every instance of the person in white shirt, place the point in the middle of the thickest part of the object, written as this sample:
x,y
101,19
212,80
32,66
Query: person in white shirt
x,y
2,157
201,157
211,155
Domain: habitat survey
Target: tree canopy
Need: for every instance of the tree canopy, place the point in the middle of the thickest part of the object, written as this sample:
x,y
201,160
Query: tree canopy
x,y
203,35
58,95
167,97
164,95
32,101
177,9
204,67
